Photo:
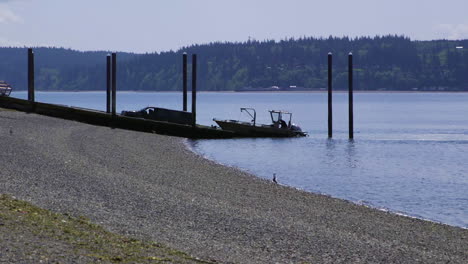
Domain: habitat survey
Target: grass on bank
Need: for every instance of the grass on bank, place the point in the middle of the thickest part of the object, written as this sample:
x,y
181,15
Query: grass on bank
x,y
77,237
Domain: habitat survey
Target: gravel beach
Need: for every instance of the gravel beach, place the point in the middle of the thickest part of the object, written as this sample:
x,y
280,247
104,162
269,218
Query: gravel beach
x,y
151,187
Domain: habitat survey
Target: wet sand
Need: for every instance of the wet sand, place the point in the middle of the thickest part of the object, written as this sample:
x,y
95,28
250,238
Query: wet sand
x,y
151,187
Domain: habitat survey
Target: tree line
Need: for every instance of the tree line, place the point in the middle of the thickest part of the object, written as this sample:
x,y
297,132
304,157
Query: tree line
x,y
381,63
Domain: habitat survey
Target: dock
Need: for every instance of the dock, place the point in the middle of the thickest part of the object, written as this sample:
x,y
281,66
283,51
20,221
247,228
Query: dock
x,y
102,118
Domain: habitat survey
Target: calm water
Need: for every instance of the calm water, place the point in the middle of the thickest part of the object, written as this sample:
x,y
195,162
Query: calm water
x,y
409,154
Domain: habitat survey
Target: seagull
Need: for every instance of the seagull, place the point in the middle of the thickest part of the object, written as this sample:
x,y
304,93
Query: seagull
x,y
274,178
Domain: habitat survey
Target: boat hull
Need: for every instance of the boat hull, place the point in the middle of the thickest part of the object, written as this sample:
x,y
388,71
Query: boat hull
x,y
245,129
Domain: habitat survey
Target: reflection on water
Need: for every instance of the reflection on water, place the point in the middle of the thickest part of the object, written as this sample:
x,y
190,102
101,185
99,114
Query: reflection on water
x,y
351,154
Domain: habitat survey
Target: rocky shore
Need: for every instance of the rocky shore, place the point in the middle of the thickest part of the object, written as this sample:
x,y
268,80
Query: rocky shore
x,y
151,187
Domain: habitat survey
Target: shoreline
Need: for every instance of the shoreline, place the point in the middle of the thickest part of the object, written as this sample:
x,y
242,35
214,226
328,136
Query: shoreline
x,y
248,92
152,187
190,148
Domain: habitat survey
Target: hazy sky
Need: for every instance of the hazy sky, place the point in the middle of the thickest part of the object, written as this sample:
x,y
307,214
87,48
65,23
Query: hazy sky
x,y
157,25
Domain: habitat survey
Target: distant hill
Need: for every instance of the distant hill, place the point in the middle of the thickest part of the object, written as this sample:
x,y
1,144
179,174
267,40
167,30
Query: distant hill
x,y
381,63
55,68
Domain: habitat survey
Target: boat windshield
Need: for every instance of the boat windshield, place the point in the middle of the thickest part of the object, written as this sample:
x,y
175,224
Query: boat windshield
x,y
275,116
281,118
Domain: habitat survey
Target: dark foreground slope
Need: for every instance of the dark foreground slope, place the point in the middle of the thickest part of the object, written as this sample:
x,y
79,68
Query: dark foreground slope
x,y
149,186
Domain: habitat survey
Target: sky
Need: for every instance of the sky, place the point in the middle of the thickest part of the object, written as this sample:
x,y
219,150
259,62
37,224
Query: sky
x,y
161,25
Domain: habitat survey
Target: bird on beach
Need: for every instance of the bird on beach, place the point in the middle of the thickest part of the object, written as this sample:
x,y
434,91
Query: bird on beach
x,y
274,178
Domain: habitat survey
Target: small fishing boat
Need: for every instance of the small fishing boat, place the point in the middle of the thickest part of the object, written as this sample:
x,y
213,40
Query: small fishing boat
x,y
5,88
278,128
161,114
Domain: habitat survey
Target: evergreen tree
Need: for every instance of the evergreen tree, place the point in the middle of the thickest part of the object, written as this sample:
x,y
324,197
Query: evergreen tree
x,y
382,62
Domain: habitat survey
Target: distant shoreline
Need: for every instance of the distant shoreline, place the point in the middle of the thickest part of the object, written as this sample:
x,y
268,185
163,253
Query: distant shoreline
x,y
266,92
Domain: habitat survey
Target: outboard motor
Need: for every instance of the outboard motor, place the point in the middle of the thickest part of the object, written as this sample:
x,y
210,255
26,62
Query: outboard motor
x,y
295,127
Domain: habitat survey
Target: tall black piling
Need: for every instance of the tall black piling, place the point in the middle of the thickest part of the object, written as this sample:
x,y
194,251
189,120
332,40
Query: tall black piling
x,y
184,81
31,75
114,82
108,84
350,97
330,106
194,89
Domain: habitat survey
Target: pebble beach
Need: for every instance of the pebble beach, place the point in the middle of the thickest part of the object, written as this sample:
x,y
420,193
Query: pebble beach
x,y
153,188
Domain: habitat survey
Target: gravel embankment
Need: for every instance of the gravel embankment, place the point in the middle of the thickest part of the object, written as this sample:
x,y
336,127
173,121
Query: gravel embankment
x,y
149,186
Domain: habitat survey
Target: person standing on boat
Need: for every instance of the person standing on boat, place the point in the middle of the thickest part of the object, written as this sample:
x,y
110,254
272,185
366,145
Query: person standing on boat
x,y
282,123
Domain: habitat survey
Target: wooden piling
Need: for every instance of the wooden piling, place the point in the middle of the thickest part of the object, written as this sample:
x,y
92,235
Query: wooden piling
x,y
350,97
114,82
184,81
330,106
31,75
108,84
194,89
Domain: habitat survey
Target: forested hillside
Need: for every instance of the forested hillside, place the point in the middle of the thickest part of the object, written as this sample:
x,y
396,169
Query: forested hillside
x,y
55,68
388,62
